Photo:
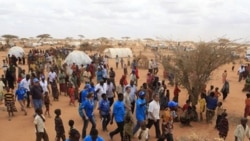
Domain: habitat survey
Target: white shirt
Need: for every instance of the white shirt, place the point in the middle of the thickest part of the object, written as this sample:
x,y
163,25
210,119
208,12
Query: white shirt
x,y
241,69
103,89
1,87
104,73
154,108
133,77
52,76
132,95
110,89
150,65
44,86
240,132
5,66
25,84
39,122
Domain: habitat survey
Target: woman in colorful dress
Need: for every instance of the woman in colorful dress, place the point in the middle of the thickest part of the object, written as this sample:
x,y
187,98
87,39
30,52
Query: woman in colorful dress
x,y
62,82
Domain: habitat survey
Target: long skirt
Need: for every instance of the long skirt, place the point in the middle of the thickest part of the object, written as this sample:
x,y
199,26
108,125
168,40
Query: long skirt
x,y
54,91
247,111
63,87
10,105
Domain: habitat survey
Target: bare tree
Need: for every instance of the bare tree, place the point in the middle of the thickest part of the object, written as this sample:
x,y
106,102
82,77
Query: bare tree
x,y
193,69
8,38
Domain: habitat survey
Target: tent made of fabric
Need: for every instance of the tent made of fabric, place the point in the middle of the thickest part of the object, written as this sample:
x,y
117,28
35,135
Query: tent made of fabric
x,y
120,52
77,57
16,51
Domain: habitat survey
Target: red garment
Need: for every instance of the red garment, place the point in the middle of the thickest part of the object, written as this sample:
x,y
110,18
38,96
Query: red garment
x,y
176,91
136,73
185,107
149,78
247,107
71,92
124,80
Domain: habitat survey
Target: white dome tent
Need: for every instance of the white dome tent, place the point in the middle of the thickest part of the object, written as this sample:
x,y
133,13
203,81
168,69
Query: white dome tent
x,y
77,57
121,52
16,51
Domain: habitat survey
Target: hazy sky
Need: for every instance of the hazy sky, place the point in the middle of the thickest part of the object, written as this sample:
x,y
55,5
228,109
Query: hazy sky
x,y
167,19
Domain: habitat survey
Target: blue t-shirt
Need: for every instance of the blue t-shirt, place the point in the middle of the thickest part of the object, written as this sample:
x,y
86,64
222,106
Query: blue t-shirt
x,y
104,107
99,75
119,111
88,138
211,102
88,106
140,110
20,92
84,94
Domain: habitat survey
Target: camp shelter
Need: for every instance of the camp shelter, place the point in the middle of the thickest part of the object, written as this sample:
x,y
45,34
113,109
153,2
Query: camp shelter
x,y
120,52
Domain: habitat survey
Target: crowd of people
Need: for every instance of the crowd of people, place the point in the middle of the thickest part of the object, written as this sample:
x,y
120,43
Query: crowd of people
x,y
150,102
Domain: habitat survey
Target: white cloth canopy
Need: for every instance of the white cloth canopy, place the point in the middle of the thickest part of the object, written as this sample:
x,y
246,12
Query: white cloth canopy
x,y
77,57
121,52
17,51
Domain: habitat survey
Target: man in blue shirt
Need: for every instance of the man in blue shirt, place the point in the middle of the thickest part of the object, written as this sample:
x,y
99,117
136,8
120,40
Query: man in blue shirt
x,y
93,136
140,112
104,108
118,113
84,93
211,101
87,109
20,95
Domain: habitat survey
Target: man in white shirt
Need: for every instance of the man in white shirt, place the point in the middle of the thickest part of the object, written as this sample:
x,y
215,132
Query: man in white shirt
x,y
150,66
100,88
40,126
44,84
5,66
26,84
242,130
52,76
154,115
132,95
155,67
241,70
110,92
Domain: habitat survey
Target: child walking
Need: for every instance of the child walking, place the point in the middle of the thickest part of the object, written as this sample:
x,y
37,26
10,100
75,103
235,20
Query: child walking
x,y
10,103
220,110
71,92
202,102
223,126
60,132
47,103
167,129
128,128
71,124
143,133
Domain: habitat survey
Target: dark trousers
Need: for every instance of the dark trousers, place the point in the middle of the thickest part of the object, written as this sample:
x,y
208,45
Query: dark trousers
x,y
119,129
132,107
218,121
111,101
224,95
105,121
176,98
60,136
157,127
85,125
42,135
28,99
